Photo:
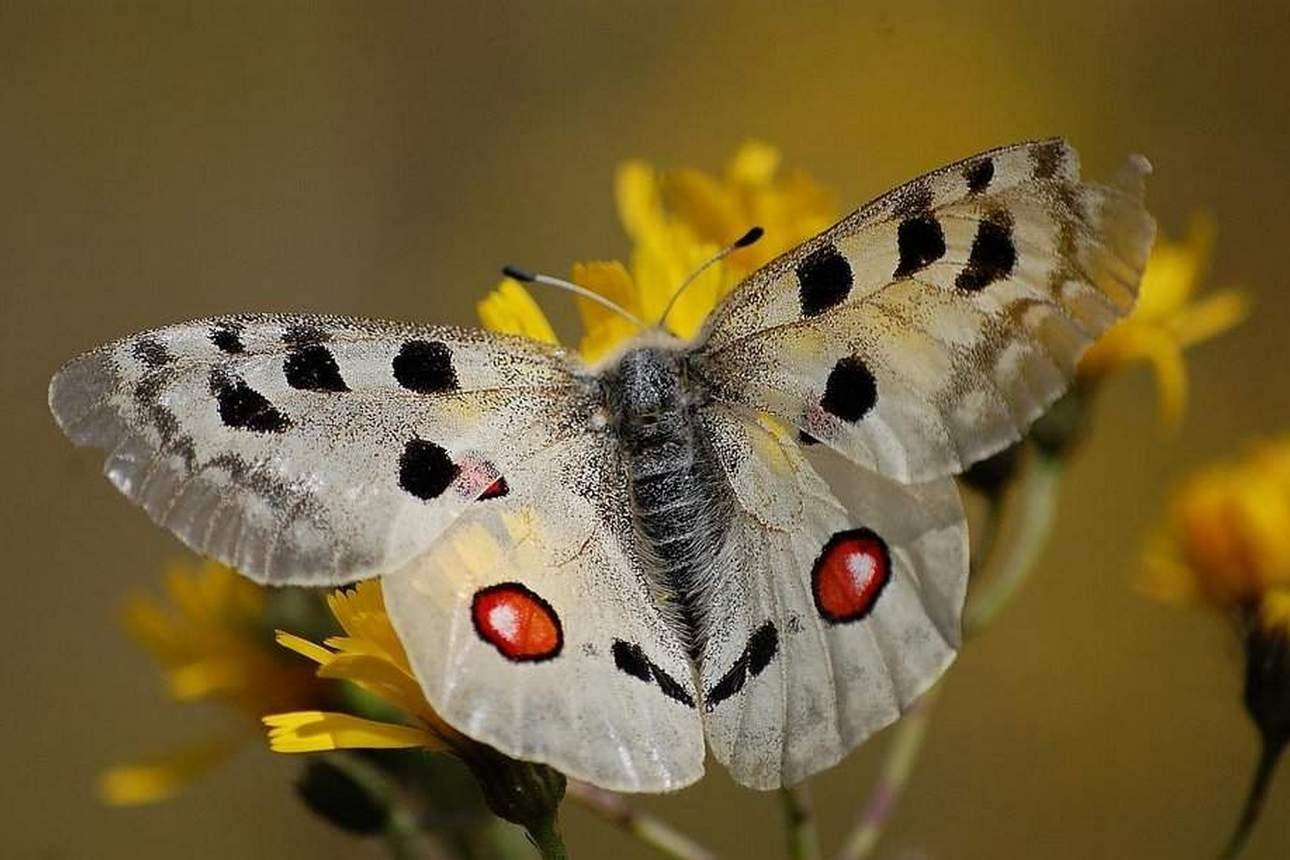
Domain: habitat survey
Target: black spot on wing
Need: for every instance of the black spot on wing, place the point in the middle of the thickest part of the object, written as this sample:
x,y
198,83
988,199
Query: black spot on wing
x,y
804,438
313,368
425,469
227,337
425,367
630,658
993,254
762,647
920,242
978,175
242,407
851,390
824,280
152,353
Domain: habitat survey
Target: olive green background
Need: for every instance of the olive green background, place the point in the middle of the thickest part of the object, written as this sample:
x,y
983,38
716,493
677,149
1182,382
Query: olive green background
x,y
163,161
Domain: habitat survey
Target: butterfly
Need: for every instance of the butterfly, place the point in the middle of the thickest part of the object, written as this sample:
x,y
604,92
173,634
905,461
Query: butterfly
x,y
750,542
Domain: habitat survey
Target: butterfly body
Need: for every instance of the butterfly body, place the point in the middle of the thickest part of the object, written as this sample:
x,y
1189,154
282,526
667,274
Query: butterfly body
x,y
749,543
681,506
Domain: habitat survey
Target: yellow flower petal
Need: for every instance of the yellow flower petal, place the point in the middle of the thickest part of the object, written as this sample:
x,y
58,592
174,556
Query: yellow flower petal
x,y
755,164
163,777
303,647
705,206
319,731
379,677
1227,539
604,329
1274,609
636,192
511,309
1211,317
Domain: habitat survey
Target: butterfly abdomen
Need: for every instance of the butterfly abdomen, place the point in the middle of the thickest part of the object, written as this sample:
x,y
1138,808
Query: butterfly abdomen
x,y
681,504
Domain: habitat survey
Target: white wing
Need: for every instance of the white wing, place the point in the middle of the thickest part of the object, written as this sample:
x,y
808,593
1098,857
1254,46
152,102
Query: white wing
x,y
827,620
532,627
929,328
314,450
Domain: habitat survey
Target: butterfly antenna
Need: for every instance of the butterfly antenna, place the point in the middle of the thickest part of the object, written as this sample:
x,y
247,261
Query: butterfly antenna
x,y
742,242
538,278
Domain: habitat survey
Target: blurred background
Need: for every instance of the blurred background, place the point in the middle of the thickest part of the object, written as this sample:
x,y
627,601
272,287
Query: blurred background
x,y
162,161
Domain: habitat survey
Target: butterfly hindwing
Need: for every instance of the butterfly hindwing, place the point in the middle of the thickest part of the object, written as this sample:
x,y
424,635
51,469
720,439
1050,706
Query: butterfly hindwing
x,y
834,606
313,450
532,627
929,328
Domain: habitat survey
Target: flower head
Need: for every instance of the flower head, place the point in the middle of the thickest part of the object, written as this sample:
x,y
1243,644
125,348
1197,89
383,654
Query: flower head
x,y
1167,319
1227,540
371,657
677,220
210,642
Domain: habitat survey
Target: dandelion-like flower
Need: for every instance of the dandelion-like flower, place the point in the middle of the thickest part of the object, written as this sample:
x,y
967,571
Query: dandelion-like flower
x,y
371,657
210,642
1226,546
676,221
1168,319
1226,543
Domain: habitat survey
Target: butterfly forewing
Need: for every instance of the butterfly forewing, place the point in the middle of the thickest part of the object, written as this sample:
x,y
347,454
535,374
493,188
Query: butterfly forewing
x,y
314,450
929,328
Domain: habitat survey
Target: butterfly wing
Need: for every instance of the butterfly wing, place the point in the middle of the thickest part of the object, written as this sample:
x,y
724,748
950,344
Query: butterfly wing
x,y
835,606
532,627
929,328
314,450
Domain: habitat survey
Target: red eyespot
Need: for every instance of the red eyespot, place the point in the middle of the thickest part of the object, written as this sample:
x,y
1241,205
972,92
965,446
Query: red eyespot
x,y
518,623
850,575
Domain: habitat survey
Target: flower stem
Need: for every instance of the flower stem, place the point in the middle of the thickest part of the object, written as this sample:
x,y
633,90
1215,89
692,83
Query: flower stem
x,y
548,841
651,831
1268,758
898,767
1033,509
1012,551
799,815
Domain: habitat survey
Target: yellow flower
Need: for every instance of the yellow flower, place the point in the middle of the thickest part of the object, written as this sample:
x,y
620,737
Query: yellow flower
x,y
676,221
1166,320
1227,539
210,645
371,657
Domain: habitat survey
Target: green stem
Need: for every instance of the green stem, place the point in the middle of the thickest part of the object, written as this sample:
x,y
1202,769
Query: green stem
x,y
1268,758
898,767
548,841
799,815
651,831
1033,508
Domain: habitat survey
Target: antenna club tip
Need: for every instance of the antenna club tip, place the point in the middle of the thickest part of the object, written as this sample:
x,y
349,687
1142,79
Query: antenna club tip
x,y
518,274
748,238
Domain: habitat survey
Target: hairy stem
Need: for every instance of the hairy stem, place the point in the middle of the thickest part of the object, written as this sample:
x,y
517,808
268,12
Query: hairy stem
x,y
646,828
799,817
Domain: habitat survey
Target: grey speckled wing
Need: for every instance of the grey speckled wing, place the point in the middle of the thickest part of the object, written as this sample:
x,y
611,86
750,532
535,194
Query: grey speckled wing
x,y
314,450
927,329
